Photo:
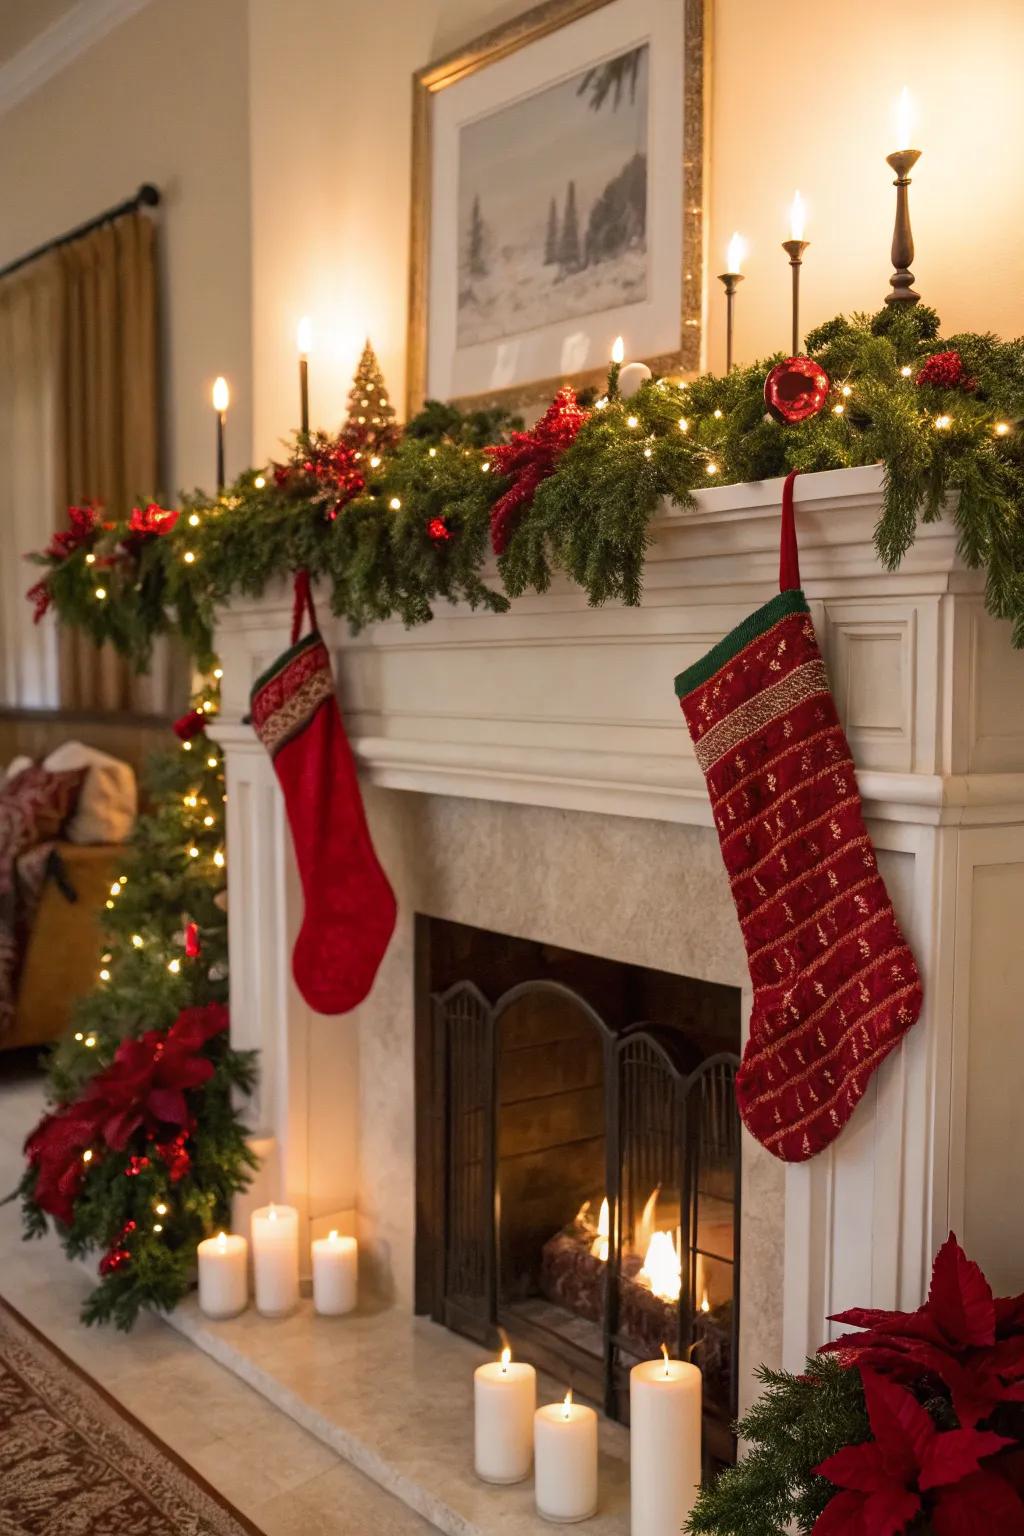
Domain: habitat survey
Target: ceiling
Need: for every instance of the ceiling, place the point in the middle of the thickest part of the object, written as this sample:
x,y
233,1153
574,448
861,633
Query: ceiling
x,y
21,21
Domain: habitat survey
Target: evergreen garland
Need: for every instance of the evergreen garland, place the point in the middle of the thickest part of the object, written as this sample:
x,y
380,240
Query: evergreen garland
x,y
150,980
415,532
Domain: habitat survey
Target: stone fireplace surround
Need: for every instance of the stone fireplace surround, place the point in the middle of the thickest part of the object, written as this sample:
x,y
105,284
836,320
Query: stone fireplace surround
x,y
530,773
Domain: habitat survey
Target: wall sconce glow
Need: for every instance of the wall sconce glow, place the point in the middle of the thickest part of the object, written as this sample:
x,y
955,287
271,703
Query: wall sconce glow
x,y
618,350
221,393
906,120
797,217
735,254
304,336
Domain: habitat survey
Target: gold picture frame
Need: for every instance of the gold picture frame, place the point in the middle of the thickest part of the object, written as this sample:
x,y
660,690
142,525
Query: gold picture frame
x,y
532,25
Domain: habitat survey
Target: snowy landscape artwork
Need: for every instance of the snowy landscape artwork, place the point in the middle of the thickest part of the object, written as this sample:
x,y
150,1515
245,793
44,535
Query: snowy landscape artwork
x,y
552,203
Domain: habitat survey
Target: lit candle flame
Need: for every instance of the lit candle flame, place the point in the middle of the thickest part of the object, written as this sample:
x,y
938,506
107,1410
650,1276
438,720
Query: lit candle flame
x,y
304,336
797,217
222,1241
618,350
599,1247
272,1212
332,1236
567,1405
506,1358
664,1356
705,1304
735,254
905,118
221,393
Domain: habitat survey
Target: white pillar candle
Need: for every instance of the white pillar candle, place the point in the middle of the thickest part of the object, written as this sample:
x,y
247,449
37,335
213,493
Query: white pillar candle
x,y
275,1258
335,1274
223,1275
565,1462
504,1403
631,377
664,1441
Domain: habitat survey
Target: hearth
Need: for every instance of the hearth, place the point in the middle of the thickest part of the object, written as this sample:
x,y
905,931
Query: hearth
x,y
578,1162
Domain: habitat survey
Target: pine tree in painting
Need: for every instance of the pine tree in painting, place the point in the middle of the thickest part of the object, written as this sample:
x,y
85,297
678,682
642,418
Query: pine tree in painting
x,y
370,424
551,238
477,234
569,242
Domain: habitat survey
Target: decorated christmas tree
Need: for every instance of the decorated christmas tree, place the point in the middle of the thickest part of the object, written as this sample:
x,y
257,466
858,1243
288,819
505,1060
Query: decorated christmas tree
x,y
142,1148
370,426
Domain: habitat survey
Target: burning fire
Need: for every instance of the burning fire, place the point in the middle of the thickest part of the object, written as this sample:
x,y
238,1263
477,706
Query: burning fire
x,y
705,1304
567,1399
506,1357
599,1247
662,1268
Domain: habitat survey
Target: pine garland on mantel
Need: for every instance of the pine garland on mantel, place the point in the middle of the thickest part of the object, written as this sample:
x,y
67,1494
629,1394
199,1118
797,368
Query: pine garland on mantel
x,y
391,532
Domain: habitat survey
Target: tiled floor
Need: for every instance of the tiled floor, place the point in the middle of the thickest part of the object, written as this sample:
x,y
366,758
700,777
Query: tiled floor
x,y
286,1481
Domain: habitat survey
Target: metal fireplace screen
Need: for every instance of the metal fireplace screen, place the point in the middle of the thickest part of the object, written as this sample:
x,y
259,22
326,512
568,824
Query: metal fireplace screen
x,y
579,1167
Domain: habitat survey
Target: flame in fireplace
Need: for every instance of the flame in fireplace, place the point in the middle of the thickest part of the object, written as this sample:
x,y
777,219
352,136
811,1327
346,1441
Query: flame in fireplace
x,y
662,1268
645,1226
705,1304
599,1247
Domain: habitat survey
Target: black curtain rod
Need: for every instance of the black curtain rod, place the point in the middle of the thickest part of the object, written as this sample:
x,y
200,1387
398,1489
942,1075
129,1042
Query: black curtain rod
x,y
147,196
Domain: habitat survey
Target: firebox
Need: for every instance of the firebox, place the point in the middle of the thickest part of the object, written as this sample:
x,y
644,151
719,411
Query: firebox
x,y
578,1163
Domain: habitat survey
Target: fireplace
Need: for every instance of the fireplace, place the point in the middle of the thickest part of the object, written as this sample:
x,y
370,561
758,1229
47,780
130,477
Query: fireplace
x,y
578,1162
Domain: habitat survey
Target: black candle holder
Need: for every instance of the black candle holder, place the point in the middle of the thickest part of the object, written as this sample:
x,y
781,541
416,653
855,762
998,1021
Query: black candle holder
x,y
730,282
901,282
794,249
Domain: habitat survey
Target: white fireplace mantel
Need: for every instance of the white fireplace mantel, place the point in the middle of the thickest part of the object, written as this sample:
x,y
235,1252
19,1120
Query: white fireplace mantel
x,y
556,704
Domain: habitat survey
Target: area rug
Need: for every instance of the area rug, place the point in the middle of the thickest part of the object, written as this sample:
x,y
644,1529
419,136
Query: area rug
x,y
73,1463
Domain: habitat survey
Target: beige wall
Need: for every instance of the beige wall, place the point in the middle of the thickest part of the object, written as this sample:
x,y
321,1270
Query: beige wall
x,y
163,98
802,96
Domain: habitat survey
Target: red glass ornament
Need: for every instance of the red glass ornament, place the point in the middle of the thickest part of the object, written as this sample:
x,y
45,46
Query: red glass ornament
x,y
438,530
795,390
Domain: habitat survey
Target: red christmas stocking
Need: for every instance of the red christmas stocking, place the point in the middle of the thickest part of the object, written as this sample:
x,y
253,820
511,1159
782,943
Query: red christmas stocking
x,y
835,985
349,905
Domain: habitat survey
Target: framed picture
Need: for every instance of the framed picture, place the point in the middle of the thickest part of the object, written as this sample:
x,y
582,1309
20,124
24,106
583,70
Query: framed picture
x,y
558,195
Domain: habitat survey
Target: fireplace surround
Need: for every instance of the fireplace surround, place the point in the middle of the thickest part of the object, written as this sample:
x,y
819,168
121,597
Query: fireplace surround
x,y
529,773
578,1162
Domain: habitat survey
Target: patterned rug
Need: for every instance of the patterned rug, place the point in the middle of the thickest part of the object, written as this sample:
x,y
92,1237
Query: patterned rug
x,y
73,1463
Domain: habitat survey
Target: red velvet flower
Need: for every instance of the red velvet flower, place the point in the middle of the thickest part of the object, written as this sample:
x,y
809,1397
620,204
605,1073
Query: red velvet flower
x,y
54,1149
83,524
945,370
152,519
530,457
190,724
910,1468
148,1078
972,1341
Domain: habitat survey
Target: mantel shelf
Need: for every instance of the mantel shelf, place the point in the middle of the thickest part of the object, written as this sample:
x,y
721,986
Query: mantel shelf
x,y
556,703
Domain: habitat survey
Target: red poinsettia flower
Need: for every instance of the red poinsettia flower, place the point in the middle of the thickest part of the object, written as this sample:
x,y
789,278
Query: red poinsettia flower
x,y
83,524
54,1149
152,519
148,1078
530,457
972,1341
910,1468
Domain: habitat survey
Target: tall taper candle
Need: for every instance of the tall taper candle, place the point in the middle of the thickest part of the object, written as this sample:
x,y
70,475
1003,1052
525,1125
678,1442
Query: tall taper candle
x,y
730,281
304,339
221,401
664,1440
903,162
794,248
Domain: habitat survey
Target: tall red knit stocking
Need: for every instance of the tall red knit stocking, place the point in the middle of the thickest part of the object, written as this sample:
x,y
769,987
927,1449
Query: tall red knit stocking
x,y
349,905
835,985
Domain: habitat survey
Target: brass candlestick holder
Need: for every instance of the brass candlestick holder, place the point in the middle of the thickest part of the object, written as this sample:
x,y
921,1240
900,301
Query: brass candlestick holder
x,y
794,249
730,282
901,282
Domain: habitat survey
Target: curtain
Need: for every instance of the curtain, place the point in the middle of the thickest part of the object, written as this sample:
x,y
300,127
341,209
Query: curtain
x,y
78,422
31,472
